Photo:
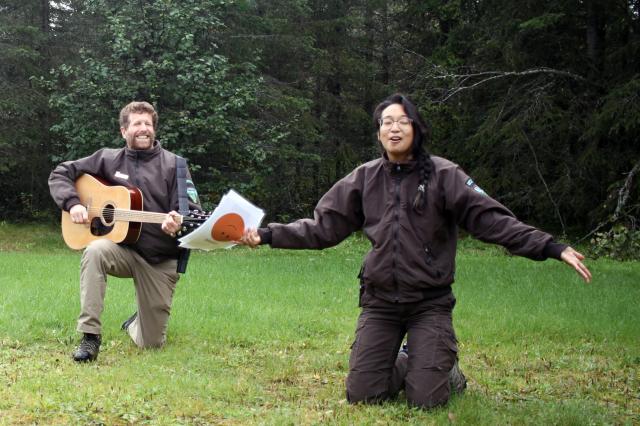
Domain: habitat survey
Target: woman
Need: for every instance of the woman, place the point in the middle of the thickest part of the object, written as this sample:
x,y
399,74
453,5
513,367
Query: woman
x,y
409,205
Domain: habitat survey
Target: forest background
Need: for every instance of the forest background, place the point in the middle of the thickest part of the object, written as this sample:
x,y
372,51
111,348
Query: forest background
x,y
539,100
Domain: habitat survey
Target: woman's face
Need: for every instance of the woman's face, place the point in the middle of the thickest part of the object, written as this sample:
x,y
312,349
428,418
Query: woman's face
x,y
396,133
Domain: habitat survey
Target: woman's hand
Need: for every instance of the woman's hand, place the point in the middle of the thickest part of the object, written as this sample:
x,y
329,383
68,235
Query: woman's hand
x,y
250,237
574,259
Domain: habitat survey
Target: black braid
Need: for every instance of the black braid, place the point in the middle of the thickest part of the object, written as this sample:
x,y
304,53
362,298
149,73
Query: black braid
x,y
425,166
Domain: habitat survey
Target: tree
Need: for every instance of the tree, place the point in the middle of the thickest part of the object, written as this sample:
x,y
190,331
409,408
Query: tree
x,y
316,76
517,91
25,42
166,53
537,100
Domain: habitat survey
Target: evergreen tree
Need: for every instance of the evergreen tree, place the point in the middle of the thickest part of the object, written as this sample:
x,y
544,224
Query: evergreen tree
x,y
166,53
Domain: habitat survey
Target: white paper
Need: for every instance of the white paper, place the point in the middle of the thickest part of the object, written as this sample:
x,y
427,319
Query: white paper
x,y
228,221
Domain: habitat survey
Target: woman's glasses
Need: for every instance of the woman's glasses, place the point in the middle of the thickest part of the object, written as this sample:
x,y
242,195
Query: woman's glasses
x,y
387,123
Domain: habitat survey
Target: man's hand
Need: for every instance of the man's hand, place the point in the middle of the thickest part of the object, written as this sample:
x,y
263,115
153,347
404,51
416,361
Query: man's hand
x,y
171,223
79,214
250,238
574,259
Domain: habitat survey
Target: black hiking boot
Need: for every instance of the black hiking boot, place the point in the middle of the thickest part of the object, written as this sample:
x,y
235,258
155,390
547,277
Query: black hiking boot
x,y
457,381
127,323
404,350
88,349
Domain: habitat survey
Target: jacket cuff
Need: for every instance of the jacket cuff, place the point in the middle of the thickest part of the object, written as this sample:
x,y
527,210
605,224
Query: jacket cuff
x,y
71,202
553,249
265,235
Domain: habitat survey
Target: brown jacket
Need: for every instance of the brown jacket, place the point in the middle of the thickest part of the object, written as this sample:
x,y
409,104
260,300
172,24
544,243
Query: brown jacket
x,y
413,253
152,171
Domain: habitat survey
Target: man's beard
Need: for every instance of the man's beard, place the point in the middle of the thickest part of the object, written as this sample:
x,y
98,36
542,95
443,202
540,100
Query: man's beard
x,y
142,141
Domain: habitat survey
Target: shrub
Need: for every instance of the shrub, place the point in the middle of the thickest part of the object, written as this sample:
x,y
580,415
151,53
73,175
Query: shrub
x,y
620,243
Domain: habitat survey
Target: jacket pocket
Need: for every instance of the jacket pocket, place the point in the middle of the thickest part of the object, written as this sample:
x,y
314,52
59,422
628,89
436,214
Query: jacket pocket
x,y
443,352
449,349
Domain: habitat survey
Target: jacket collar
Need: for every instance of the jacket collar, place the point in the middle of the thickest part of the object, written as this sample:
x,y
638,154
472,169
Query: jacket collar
x,y
394,167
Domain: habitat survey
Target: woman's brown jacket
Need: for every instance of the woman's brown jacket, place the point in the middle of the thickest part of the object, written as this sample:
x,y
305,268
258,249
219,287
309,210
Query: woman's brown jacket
x,y
413,252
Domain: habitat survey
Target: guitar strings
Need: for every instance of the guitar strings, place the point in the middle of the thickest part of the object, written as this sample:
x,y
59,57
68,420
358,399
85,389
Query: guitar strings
x,y
141,214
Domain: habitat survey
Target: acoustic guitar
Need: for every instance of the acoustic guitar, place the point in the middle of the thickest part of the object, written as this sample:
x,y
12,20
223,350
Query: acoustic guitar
x,y
115,213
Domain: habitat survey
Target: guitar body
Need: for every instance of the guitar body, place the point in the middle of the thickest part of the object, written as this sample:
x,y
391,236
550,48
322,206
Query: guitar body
x,y
101,199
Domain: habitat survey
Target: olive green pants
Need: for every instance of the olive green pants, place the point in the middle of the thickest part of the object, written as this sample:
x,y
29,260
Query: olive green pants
x,y
154,286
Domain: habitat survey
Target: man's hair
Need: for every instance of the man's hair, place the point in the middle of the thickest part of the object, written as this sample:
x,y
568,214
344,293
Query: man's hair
x,y
138,108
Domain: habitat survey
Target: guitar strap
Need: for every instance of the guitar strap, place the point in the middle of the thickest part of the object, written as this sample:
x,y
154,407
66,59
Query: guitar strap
x,y
183,207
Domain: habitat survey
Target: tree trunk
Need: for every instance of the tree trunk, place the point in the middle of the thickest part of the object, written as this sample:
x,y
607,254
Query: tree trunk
x,y
385,62
596,17
45,15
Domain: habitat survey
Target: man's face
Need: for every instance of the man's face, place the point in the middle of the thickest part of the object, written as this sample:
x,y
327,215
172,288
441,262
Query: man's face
x,y
139,133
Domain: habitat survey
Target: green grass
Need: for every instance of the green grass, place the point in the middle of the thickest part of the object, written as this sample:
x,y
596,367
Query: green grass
x,y
262,337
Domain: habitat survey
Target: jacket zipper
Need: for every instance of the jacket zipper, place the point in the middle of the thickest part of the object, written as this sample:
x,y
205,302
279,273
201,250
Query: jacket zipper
x,y
396,225
135,169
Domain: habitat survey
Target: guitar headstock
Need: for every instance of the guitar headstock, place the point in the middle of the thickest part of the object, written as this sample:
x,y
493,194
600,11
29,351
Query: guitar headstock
x,y
192,221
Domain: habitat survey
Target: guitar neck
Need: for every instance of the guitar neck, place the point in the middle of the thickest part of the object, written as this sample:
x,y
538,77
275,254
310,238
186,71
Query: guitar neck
x,y
122,215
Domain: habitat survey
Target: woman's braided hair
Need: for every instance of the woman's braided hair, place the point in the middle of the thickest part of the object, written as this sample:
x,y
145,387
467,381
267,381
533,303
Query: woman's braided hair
x,y
421,134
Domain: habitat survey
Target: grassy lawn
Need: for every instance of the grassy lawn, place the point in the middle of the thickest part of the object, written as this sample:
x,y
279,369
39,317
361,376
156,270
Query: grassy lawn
x,y
263,336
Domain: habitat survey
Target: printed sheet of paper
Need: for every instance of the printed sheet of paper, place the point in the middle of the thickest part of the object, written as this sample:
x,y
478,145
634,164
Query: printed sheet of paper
x,y
226,224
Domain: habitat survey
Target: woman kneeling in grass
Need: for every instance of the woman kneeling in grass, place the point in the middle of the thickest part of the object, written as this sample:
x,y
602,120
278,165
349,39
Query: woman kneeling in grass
x,y
409,204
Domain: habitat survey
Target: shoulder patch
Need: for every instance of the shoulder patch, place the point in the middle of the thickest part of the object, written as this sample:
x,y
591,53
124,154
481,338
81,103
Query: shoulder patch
x,y
471,184
192,193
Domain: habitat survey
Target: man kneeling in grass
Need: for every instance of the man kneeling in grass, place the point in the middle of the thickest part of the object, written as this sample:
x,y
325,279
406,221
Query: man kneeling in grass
x,y
409,205
151,260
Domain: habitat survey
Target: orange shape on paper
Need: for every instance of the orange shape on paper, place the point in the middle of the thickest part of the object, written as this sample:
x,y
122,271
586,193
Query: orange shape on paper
x,y
228,228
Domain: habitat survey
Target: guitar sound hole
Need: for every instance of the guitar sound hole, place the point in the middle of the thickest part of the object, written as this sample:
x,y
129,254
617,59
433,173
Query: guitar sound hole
x,y
108,215
98,228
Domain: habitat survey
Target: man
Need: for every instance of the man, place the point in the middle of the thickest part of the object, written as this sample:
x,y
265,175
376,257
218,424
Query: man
x,y
152,260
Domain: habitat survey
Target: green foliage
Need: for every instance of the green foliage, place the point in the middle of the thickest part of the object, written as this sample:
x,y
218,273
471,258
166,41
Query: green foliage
x,y
620,243
315,99
543,137
538,100
24,117
542,22
619,116
166,53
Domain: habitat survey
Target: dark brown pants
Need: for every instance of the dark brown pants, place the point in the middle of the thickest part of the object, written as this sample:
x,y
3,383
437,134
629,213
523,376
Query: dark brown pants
x,y
377,372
